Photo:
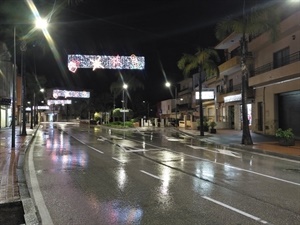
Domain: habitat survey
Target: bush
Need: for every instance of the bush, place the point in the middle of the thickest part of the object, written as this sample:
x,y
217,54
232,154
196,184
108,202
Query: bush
x,y
285,134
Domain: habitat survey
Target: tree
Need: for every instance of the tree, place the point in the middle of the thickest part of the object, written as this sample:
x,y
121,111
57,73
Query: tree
x,y
251,24
205,61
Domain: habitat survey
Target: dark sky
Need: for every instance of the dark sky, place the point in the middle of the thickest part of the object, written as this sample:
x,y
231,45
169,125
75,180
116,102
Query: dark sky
x,y
159,30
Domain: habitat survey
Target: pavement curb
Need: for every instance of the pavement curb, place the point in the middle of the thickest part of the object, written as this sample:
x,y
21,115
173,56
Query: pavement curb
x,y
30,212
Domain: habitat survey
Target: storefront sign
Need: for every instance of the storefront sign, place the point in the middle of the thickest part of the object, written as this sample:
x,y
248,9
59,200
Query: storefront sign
x,y
206,94
233,98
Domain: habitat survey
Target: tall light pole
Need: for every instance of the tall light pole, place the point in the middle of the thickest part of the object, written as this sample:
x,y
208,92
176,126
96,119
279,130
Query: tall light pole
x,y
36,108
13,121
23,49
125,86
168,84
40,24
147,109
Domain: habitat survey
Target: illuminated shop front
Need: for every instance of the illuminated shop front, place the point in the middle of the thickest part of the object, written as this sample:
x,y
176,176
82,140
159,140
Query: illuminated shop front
x,y
234,111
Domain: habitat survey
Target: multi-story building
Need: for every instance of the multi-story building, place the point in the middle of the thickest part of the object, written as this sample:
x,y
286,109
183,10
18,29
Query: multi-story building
x,y
276,79
6,82
274,82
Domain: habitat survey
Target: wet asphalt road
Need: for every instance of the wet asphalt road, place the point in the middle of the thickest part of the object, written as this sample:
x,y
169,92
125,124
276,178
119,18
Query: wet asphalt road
x,y
97,175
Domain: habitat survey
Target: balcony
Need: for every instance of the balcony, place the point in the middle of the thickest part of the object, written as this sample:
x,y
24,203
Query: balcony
x,y
287,68
230,66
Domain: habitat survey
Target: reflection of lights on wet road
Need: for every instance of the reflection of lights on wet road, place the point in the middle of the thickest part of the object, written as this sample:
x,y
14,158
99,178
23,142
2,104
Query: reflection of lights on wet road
x,y
122,178
165,181
117,213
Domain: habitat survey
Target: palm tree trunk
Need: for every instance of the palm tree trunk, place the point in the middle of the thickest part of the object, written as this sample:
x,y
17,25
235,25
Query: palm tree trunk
x,y
246,136
200,103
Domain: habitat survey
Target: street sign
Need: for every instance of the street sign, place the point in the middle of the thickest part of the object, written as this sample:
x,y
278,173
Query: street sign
x,y
124,110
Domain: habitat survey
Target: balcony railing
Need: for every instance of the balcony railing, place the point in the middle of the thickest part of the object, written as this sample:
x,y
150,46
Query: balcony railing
x,y
233,88
273,65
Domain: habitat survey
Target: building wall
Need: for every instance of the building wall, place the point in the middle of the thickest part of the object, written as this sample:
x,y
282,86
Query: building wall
x,y
270,84
268,96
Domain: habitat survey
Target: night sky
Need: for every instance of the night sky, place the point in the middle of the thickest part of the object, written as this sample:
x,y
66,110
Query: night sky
x,y
160,30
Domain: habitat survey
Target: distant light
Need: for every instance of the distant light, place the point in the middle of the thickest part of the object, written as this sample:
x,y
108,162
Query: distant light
x,y
125,86
41,23
168,84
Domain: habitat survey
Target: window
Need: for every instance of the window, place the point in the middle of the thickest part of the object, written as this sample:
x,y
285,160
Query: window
x,y
281,57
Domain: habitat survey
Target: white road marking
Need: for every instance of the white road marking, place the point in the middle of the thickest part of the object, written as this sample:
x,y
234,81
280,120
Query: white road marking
x,y
36,191
227,152
151,175
173,139
221,151
95,149
236,210
137,150
118,160
249,171
88,145
199,147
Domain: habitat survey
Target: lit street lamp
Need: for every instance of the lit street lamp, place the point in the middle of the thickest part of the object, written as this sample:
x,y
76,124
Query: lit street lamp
x,y
147,109
40,24
35,110
168,84
125,86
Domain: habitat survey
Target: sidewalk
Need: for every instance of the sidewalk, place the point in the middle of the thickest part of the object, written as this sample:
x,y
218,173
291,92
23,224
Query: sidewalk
x,y
261,143
15,201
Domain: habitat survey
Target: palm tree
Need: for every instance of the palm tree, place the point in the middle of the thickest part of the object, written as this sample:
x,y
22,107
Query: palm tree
x,y
252,23
205,61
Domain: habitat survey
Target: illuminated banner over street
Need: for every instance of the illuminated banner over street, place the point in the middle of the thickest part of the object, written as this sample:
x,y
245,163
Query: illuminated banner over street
x,y
105,62
59,102
70,94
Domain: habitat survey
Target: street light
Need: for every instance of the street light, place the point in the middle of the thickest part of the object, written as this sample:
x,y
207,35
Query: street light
x,y
13,121
35,110
147,109
168,84
40,24
125,86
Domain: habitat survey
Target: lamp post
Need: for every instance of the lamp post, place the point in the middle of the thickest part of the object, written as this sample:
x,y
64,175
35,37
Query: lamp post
x,y
147,109
35,111
168,84
40,24
13,121
125,86
23,49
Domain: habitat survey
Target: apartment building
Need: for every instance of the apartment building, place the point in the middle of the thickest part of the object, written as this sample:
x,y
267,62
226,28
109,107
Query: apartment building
x,y
274,82
276,79
6,81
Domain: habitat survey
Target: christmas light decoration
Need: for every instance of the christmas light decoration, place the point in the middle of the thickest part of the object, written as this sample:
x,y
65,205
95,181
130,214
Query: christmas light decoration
x,y
70,94
132,62
59,102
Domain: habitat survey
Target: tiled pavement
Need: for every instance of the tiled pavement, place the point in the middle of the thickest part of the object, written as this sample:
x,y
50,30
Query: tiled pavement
x,y
9,163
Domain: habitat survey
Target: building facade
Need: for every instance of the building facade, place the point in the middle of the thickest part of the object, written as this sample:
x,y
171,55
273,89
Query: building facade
x,y
274,83
276,79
